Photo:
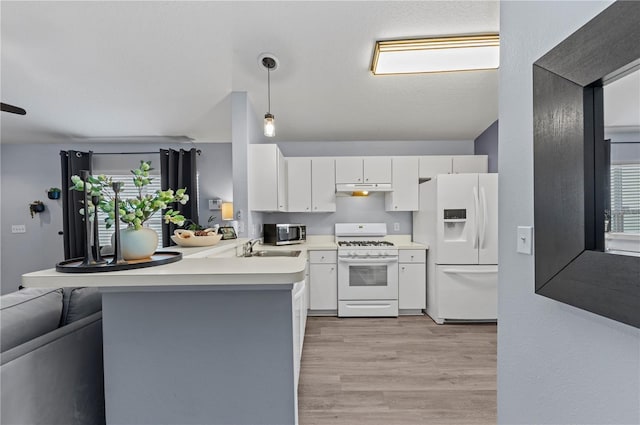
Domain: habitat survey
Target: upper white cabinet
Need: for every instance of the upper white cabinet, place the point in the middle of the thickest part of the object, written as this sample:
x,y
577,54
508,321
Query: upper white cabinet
x,y
377,169
363,170
470,164
432,165
404,174
311,185
349,170
267,178
299,184
323,185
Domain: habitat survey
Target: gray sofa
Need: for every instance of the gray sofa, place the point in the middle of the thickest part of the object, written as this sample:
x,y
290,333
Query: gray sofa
x,y
51,357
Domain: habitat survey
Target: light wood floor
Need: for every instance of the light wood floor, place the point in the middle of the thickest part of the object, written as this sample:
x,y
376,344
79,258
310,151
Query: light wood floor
x,y
397,372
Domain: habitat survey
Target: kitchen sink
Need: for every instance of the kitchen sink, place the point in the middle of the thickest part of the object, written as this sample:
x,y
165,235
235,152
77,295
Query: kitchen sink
x,y
275,253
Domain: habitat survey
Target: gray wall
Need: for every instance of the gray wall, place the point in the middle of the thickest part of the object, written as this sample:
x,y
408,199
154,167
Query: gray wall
x,y
556,364
361,209
28,170
377,148
487,144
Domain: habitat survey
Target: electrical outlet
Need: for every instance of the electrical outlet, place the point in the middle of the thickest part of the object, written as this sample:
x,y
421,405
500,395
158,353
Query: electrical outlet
x,y
18,228
396,227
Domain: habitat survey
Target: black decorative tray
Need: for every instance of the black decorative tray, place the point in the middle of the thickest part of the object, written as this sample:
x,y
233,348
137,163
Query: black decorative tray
x,y
158,258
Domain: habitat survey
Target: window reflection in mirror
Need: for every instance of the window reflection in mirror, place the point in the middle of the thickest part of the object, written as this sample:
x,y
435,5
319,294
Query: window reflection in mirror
x,y
622,129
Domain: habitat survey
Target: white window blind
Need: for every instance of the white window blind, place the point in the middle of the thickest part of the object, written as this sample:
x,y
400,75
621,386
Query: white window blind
x,y
625,198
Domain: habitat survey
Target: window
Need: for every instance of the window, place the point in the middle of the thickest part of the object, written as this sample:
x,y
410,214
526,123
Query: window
x,y
625,198
118,167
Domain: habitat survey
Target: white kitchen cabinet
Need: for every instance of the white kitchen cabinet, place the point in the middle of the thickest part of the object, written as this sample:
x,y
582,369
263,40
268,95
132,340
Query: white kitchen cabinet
x,y
377,169
323,185
363,170
299,184
404,179
299,324
469,164
266,178
323,280
412,282
349,170
311,185
432,165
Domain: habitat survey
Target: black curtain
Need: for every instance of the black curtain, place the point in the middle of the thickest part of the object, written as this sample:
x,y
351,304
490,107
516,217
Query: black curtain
x,y
72,162
178,170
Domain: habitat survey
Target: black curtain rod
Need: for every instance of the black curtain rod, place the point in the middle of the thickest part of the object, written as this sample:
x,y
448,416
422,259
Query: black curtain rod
x,y
198,151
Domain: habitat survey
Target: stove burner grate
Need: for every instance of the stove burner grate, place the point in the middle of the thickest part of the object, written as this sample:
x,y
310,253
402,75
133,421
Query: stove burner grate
x,y
364,243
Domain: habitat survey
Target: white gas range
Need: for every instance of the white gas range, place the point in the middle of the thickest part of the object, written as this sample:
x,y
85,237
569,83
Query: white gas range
x,y
367,271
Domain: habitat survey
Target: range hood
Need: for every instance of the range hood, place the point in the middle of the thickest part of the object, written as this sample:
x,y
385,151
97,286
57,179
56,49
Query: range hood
x,y
363,187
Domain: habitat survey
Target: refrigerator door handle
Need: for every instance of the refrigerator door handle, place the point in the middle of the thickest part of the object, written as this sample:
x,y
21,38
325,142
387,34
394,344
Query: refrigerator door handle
x,y
462,271
483,230
476,202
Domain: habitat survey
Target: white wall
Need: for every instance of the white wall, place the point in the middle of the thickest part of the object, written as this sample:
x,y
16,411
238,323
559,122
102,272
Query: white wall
x,y
556,364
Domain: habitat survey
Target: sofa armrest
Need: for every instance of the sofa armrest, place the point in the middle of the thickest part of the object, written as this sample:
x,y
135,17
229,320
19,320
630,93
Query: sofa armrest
x,y
57,378
47,338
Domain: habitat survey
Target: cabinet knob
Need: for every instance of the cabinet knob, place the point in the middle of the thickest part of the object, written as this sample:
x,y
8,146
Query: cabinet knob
x,y
396,207
322,257
403,268
307,208
359,179
412,257
316,207
367,179
331,268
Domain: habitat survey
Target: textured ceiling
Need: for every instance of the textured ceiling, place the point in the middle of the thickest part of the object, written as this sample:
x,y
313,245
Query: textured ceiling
x,y
143,69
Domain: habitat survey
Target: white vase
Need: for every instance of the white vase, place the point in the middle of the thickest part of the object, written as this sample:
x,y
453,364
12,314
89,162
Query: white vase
x,y
137,244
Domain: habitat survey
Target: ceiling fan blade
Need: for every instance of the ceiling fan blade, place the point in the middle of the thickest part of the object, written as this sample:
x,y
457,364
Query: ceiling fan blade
x,y
13,109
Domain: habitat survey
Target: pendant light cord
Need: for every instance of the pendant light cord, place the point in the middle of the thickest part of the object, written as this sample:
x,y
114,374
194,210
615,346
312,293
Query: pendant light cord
x,y
268,89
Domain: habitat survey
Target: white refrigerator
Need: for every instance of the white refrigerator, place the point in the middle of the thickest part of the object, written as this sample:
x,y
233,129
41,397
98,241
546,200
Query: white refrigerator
x,y
458,220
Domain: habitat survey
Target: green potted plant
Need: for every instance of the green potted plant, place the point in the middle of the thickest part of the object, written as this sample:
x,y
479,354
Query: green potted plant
x,y
137,241
53,193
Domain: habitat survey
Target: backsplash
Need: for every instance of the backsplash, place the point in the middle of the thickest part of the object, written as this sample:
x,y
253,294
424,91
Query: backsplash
x,y
349,209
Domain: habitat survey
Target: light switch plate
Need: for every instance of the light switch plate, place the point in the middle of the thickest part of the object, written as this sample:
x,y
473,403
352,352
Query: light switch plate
x,y
396,227
525,240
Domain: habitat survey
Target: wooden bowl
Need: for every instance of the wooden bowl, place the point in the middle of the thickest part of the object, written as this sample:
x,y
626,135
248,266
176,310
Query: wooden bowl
x,y
188,238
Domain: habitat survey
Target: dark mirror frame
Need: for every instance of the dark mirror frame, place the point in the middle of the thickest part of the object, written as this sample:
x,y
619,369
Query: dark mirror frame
x,y
571,165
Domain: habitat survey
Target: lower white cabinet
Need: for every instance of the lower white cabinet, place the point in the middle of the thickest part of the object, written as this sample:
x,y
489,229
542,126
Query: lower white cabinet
x,y
412,282
323,280
299,323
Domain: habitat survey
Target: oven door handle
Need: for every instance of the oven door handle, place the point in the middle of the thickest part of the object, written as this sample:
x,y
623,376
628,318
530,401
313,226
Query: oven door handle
x,y
368,260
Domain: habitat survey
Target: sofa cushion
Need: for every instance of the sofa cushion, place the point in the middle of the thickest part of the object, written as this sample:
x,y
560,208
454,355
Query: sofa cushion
x,y
79,303
27,314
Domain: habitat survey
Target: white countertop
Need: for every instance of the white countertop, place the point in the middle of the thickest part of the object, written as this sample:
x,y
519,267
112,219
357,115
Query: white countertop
x,y
216,265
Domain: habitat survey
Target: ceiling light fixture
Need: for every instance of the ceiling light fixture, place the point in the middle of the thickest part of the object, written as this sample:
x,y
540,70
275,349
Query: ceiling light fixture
x,y
439,54
270,62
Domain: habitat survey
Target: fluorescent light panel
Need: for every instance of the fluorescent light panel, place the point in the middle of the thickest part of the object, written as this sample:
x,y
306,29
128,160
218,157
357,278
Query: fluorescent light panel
x,y
443,54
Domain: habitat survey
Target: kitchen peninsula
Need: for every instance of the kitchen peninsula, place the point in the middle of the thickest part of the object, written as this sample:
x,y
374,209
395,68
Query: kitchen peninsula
x,y
213,338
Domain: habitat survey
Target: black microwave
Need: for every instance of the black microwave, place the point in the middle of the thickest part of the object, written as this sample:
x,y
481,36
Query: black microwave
x,y
284,234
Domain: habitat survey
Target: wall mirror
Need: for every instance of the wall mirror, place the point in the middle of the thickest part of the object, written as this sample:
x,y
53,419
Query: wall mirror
x,y
572,167
622,133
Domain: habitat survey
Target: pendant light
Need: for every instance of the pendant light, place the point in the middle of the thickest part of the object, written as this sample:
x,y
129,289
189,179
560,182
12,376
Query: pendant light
x,y
269,62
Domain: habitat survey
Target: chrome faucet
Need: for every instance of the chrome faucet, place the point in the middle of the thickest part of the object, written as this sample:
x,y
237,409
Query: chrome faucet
x,y
248,247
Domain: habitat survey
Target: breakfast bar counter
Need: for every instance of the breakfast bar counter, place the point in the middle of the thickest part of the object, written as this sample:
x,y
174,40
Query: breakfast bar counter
x,y
213,338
